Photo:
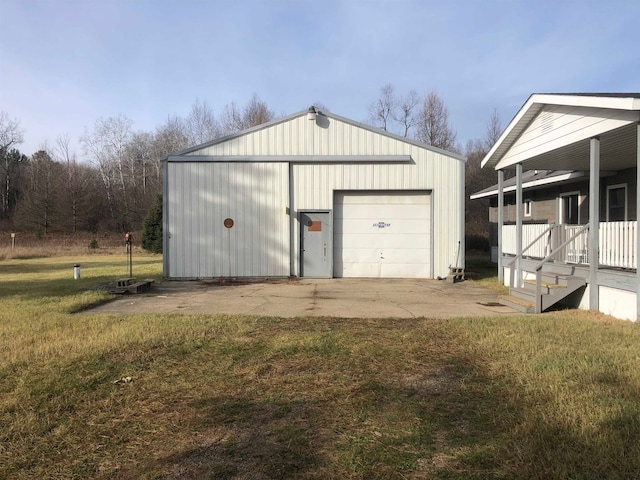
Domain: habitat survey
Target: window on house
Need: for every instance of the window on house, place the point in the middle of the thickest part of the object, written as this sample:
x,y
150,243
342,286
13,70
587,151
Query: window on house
x,y
570,208
527,207
617,203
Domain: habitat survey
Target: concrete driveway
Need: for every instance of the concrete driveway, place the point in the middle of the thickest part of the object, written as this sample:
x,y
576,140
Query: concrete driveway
x,y
345,298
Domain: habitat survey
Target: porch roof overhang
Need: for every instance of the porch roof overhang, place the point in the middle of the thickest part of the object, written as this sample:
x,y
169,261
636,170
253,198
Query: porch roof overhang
x,y
552,131
533,179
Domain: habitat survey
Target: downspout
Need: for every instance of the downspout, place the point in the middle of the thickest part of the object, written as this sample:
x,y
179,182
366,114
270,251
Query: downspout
x,y
594,221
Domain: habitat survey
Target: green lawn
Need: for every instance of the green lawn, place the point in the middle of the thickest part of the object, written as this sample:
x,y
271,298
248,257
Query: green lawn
x,y
199,396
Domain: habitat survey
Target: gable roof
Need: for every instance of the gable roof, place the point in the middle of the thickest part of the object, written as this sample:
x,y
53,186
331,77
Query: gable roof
x,y
538,101
329,115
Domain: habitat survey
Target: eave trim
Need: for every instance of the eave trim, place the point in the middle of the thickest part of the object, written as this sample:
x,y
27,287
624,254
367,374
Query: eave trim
x,y
291,159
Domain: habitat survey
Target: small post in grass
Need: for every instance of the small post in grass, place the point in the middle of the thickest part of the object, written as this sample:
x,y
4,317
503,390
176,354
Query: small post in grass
x,y
128,238
13,240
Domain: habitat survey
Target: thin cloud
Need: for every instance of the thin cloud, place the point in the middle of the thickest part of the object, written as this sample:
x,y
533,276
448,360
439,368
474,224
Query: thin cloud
x,y
64,64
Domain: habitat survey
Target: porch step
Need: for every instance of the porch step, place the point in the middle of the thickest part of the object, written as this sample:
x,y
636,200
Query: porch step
x,y
554,288
554,278
522,305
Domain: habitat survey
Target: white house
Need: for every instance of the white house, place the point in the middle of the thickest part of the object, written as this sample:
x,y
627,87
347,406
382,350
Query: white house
x,y
313,195
567,227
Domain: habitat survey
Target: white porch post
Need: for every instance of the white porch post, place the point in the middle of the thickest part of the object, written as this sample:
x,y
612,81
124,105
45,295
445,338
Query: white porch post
x,y
637,221
518,224
501,222
594,221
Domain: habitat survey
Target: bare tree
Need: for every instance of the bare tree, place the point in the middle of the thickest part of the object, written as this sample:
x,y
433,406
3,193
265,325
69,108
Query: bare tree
x,y
395,113
405,113
170,137
433,123
477,178
142,168
256,112
494,130
75,181
381,111
10,135
106,147
232,121
201,125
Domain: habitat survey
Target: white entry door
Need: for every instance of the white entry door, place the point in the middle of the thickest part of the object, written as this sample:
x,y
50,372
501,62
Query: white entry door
x,y
382,234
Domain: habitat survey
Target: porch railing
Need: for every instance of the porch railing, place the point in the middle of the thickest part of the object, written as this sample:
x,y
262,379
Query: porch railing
x,y
529,233
617,243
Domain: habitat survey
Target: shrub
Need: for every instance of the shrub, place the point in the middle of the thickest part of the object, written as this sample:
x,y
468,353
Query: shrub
x,y
152,228
93,244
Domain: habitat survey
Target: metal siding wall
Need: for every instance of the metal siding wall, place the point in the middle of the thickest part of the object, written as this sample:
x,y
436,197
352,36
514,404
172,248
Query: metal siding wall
x,y
314,183
314,186
202,195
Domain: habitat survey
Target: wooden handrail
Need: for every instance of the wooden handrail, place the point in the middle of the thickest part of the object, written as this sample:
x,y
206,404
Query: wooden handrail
x,y
564,244
511,272
545,260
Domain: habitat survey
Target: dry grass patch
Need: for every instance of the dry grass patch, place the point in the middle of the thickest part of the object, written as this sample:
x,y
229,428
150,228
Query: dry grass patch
x,y
199,396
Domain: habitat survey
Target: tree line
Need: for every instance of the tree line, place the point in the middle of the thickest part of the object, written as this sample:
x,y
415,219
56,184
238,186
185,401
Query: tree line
x,y
120,176
116,184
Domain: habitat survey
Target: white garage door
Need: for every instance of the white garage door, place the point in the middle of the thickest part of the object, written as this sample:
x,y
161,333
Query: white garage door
x,y
382,235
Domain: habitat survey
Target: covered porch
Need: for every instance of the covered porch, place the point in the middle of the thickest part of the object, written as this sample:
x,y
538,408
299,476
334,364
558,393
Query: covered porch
x,y
598,134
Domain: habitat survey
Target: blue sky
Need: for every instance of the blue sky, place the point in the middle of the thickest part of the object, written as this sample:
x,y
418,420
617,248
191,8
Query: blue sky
x,y
65,63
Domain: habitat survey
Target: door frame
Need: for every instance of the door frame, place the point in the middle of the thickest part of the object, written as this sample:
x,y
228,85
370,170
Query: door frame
x,y
301,240
562,198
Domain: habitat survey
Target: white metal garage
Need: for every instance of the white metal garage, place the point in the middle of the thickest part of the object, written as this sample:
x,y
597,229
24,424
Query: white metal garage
x,y
312,194
382,235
